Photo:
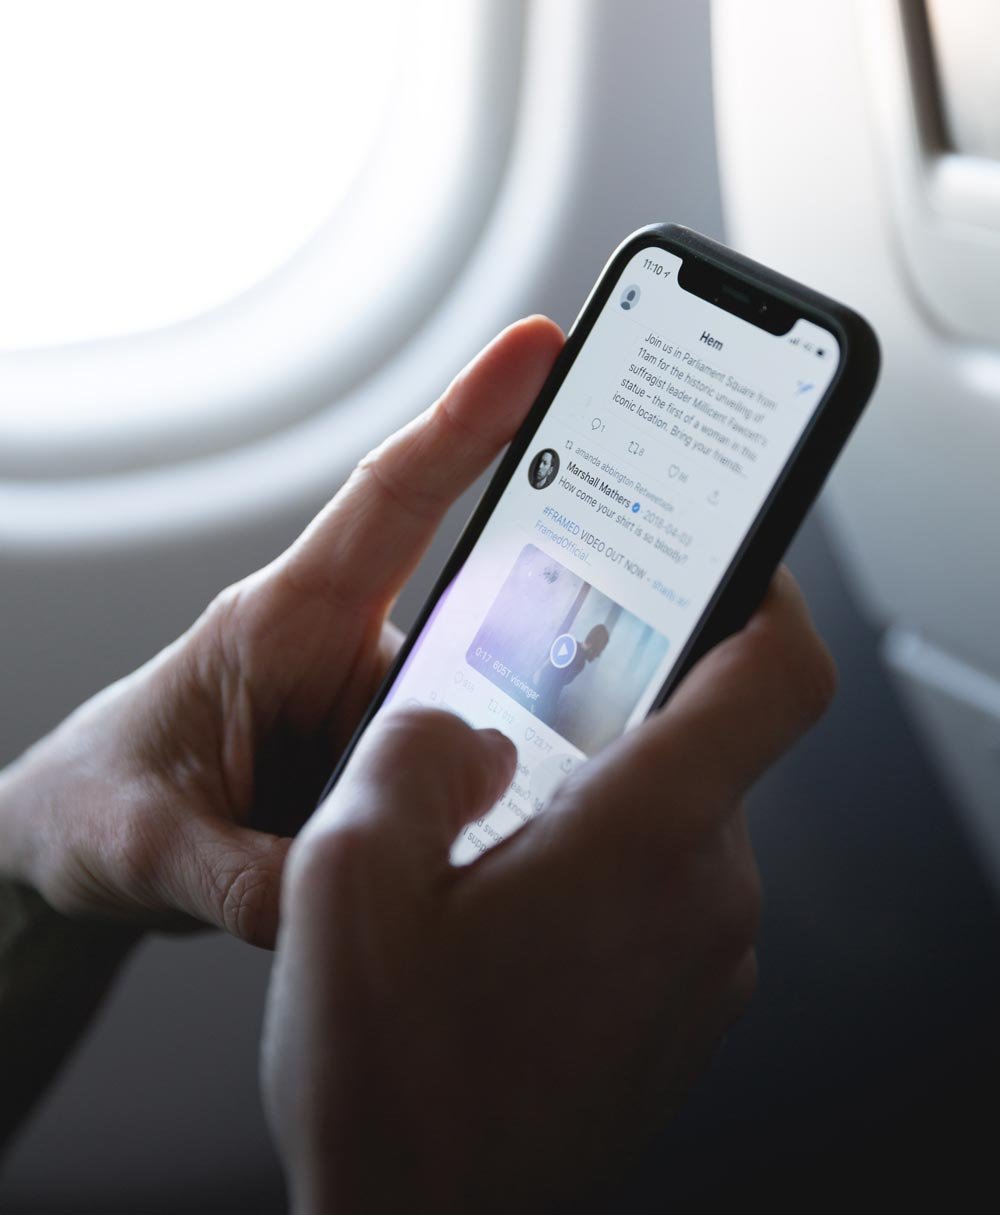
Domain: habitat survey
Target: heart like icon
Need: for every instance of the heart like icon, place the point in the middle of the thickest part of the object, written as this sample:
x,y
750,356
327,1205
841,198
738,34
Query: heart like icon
x,y
529,734
674,470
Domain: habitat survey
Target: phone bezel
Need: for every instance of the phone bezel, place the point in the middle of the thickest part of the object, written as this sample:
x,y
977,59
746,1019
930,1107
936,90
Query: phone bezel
x,y
746,578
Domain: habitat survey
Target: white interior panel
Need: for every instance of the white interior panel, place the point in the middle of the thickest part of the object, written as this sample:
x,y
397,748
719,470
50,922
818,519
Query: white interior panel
x,y
810,185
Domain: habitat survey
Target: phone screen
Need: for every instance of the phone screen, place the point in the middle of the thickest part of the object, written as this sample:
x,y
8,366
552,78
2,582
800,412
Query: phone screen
x,y
606,547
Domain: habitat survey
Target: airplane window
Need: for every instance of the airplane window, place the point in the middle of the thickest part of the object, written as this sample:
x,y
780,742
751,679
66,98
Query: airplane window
x,y
160,158
221,218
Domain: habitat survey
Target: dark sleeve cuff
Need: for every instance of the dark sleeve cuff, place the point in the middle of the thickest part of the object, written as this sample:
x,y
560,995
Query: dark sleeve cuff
x,y
53,973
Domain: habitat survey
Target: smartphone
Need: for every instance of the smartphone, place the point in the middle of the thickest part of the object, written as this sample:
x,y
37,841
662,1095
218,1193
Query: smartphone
x,y
639,514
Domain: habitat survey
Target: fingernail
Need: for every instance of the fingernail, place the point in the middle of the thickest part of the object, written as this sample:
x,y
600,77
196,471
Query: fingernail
x,y
496,738
500,743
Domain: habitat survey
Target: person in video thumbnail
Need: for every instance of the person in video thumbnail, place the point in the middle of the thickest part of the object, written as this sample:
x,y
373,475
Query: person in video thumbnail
x,y
554,675
543,468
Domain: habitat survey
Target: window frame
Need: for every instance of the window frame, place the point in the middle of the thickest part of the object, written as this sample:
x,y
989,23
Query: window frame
x,y
511,260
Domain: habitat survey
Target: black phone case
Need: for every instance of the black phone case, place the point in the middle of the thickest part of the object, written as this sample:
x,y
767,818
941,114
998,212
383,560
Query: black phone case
x,y
747,578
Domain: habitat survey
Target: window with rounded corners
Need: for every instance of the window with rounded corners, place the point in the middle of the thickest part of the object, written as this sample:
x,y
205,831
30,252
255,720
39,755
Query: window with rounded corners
x,y
429,126
161,157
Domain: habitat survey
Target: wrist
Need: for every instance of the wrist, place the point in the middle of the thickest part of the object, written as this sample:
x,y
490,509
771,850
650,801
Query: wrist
x,y
48,795
16,817
30,787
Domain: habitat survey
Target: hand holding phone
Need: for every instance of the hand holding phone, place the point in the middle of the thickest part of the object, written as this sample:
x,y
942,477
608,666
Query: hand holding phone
x,y
506,1037
640,512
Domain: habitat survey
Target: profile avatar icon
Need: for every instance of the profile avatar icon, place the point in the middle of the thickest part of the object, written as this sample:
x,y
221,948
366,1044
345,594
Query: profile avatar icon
x,y
543,469
630,297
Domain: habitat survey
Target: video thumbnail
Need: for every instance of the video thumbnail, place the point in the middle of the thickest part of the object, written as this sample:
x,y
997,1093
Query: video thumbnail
x,y
565,651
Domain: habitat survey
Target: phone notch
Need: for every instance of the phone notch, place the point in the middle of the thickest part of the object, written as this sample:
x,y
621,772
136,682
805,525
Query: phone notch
x,y
734,295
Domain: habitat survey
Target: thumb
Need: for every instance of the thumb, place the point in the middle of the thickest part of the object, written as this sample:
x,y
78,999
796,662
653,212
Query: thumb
x,y
230,876
684,770
416,778
757,693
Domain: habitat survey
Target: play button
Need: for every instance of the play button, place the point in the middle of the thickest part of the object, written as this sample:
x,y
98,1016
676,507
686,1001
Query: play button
x,y
563,650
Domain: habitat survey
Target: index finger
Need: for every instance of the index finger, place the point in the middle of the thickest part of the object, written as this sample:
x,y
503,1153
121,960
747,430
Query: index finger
x,y
401,491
